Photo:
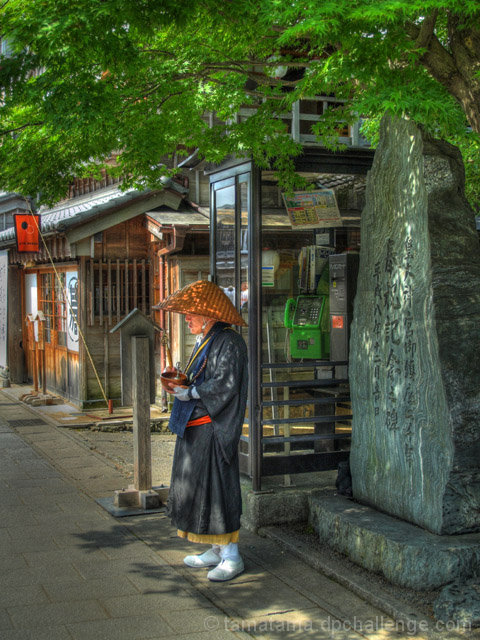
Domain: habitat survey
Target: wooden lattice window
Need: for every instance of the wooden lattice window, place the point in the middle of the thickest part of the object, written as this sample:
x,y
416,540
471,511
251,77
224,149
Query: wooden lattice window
x,y
45,303
53,304
116,287
60,310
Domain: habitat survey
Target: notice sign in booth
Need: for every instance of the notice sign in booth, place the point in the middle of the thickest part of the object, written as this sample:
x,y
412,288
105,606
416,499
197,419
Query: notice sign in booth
x,y
27,227
311,209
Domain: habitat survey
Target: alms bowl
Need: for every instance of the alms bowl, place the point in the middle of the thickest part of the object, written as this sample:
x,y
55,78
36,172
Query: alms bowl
x,y
171,379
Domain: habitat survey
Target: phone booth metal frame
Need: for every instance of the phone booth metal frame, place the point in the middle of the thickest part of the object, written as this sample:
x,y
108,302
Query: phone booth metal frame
x,y
264,456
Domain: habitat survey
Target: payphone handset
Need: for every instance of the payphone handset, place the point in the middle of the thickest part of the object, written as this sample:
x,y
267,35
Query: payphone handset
x,y
304,312
303,316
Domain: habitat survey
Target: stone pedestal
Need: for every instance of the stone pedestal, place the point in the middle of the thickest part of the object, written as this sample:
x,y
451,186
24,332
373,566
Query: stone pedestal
x,y
132,497
415,338
405,554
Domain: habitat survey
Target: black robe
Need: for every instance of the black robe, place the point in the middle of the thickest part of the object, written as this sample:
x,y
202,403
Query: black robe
x,y
204,496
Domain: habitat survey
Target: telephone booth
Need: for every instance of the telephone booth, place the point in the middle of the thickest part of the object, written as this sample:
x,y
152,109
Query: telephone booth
x,y
298,309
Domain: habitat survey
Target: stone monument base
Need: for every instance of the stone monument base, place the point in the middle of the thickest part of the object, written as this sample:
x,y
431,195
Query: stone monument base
x,y
404,553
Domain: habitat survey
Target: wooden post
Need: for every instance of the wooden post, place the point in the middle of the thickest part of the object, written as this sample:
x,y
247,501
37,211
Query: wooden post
x,y
83,321
41,354
142,451
35,367
106,361
32,345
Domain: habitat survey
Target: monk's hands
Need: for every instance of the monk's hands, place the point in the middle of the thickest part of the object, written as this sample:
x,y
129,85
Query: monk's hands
x,y
186,393
181,393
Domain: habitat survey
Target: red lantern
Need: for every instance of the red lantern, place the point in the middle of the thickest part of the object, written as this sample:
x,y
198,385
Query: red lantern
x,y
27,229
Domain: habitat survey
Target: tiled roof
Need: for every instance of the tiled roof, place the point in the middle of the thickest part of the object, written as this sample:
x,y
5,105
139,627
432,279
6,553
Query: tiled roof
x,y
72,212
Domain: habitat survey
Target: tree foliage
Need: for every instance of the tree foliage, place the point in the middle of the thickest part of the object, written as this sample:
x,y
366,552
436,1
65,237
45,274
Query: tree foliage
x,y
86,78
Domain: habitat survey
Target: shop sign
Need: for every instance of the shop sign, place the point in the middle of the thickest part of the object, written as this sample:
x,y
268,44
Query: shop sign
x,y
27,230
312,209
72,310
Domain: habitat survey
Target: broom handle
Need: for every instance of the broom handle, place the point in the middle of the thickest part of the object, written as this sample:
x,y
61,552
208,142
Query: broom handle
x,y
168,353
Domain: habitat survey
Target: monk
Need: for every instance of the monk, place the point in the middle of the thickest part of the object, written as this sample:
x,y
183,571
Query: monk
x,y
204,501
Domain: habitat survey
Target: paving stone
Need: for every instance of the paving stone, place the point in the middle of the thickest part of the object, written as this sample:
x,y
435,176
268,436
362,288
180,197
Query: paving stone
x,y
36,543
4,538
58,485
46,501
40,473
10,471
47,633
210,635
132,550
325,592
162,600
27,594
67,452
10,440
25,454
38,616
9,562
38,575
24,482
93,520
16,516
177,593
250,597
5,620
297,624
83,461
91,538
40,432
27,495
133,628
74,504
87,468
53,523
197,620
59,557
94,569
87,589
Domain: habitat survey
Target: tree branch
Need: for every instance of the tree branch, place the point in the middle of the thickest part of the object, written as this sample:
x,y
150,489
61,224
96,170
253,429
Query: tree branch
x,y
5,132
423,34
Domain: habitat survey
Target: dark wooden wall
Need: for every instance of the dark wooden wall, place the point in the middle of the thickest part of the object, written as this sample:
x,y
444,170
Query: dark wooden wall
x,y
16,353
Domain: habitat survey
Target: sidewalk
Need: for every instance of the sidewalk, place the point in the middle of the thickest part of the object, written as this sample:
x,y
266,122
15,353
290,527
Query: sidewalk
x,y
71,571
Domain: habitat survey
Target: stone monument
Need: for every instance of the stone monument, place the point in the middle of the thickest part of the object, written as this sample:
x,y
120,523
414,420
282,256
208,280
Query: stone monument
x,y
415,338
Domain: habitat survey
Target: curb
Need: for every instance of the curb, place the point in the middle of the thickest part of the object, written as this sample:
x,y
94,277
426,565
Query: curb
x,y
370,589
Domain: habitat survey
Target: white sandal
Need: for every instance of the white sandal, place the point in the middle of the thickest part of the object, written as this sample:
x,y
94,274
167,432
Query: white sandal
x,y
226,570
207,559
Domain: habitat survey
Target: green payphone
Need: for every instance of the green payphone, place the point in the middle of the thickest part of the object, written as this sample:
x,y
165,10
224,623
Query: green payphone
x,y
309,334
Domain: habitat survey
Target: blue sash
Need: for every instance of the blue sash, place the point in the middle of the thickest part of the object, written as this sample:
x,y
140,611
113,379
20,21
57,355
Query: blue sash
x,y
183,409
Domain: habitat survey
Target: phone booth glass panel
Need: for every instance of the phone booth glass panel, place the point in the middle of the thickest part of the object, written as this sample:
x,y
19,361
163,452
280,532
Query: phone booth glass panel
x,y
277,275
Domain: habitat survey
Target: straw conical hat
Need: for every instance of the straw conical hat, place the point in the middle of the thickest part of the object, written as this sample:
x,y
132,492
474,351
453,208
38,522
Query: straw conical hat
x,y
203,298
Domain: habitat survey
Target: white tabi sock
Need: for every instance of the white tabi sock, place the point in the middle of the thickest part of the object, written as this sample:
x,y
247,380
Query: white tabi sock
x,y
230,551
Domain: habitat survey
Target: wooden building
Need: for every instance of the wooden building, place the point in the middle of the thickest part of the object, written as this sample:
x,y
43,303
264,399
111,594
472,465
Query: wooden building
x,y
104,252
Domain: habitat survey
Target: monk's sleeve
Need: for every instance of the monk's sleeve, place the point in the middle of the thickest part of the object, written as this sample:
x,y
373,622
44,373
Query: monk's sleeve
x,y
224,390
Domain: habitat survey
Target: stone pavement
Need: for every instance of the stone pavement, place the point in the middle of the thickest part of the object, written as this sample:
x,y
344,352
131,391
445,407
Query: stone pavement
x,y
71,571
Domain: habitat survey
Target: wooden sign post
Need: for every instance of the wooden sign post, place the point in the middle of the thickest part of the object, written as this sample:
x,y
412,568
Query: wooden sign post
x,y
138,373
142,450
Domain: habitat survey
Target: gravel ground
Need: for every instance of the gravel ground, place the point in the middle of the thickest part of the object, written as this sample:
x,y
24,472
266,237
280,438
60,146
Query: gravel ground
x,y
117,446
